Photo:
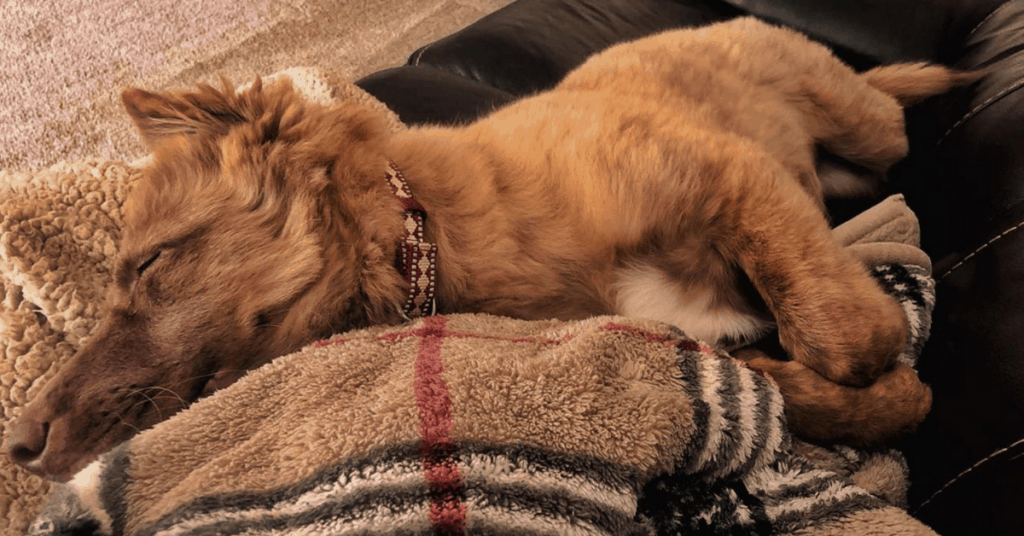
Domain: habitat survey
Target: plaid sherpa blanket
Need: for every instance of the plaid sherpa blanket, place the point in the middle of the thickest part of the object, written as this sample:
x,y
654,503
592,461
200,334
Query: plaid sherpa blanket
x,y
474,424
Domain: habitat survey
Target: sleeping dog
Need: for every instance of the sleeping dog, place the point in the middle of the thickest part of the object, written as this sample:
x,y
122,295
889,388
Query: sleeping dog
x,y
671,177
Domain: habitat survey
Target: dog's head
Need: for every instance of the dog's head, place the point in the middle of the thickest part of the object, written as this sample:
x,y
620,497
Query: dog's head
x,y
262,223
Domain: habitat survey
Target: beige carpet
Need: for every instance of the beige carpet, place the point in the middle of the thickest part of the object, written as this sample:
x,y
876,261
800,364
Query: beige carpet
x,y
64,63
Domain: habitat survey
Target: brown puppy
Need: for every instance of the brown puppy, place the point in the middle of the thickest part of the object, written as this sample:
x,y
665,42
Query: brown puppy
x,y
672,177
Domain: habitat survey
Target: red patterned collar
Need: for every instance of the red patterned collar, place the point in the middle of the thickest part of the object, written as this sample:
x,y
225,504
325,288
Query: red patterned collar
x,y
417,258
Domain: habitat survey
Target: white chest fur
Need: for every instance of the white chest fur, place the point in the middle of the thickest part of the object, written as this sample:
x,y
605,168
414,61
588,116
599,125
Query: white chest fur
x,y
645,291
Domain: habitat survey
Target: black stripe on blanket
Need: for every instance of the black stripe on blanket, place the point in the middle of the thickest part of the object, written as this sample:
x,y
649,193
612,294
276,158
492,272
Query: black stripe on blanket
x,y
512,490
738,415
916,293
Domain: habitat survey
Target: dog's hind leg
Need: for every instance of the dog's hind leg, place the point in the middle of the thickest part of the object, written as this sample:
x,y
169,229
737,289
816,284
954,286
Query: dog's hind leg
x,y
840,109
857,116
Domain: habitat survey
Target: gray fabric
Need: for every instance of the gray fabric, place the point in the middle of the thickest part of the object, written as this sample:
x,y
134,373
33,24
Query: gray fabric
x,y
887,233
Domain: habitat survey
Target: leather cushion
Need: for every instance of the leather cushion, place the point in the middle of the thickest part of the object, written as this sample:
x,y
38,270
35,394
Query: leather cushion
x,y
530,45
423,95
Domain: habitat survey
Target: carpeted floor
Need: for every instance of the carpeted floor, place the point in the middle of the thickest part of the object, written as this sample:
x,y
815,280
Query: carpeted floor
x,y
65,63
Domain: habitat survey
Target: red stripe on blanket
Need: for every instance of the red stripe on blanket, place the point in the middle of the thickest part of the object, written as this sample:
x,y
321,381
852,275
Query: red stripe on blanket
x,y
685,344
447,511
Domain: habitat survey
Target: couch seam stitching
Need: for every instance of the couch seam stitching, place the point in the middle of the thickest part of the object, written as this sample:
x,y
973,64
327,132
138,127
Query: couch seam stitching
x,y
965,472
419,54
979,108
994,12
980,249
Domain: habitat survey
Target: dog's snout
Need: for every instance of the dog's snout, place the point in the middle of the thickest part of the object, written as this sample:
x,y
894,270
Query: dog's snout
x,y
26,442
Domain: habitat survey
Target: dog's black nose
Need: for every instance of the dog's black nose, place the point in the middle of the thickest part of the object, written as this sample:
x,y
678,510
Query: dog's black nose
x,y
26,442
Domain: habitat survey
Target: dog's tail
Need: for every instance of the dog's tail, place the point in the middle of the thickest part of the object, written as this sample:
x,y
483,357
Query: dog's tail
x,y
910,83
822,411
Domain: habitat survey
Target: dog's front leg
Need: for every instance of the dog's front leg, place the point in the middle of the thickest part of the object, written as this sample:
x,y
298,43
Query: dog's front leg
x,y
832,316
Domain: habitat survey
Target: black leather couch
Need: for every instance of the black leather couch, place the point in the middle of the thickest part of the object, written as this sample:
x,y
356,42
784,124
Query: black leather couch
x,y
964,178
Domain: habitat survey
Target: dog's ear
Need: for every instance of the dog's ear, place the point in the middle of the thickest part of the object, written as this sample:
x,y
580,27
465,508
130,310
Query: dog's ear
x,y
159,116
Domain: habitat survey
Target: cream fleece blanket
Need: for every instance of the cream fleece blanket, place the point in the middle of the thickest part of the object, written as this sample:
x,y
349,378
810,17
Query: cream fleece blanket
x,y
464,422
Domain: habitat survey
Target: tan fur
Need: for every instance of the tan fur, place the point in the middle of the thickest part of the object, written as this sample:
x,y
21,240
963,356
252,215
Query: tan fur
x,y
828,412
688,154
911,83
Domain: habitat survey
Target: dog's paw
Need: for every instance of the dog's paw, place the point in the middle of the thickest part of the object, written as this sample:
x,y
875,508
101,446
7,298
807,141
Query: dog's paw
x,y
821,411
849,342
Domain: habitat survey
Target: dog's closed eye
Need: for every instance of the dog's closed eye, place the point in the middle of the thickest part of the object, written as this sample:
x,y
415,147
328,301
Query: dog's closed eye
x,y
146,264
261,321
